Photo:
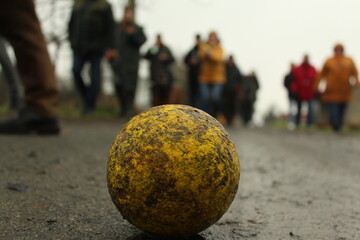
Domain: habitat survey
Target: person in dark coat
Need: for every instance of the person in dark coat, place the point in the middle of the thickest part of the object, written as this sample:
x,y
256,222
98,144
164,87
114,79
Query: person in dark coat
x,y
288,80
128,39
231,87
192,62
162,77
249,87
90,34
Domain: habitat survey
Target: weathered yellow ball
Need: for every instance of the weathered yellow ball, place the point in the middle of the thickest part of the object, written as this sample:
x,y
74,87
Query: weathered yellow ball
x,y
173,171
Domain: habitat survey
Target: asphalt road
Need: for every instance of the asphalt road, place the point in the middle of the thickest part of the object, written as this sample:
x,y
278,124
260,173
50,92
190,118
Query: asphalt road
x,y
294,185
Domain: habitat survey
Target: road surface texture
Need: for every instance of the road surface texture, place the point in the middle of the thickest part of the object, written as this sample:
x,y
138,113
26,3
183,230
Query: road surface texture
x,y
294,185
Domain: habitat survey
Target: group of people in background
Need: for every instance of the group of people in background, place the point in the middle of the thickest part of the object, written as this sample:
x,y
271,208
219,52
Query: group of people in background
x,y
214,84
331,86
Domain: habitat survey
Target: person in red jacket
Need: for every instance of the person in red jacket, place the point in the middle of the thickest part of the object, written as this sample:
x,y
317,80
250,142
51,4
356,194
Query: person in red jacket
x,y
302,87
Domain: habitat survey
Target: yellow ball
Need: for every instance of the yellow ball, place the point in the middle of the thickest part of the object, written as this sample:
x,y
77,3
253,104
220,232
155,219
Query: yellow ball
x,y
173,171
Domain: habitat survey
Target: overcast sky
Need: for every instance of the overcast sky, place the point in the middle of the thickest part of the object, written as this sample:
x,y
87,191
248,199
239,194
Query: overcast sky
x,y
263,35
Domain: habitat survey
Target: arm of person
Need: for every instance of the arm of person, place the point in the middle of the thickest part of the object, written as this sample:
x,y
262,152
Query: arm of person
x,y
257,83
171,57
355,74
321,75
166,56
188,57
239,79
204,47
216,54
110,28
148,55
137,37
111,54
239,76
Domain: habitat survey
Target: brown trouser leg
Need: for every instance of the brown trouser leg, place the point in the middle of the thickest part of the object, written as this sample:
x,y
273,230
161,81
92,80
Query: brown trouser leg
x,y
20,25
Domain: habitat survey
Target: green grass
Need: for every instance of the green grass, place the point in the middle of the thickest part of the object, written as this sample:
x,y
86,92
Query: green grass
x,y
283,124
70,111
4,109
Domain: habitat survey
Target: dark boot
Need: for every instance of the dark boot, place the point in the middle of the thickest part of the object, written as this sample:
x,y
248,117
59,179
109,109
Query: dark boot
x,y
28,122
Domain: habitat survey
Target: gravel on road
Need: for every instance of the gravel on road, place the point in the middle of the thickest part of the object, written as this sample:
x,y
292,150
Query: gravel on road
x,y
294,185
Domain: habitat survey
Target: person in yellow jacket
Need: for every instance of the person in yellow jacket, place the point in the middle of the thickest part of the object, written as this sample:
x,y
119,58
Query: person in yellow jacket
x,y
340,74
212,76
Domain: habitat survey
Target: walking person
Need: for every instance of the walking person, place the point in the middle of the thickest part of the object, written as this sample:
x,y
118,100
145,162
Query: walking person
x,y
249,88
90,34
288,80
340,74
302,87
231,89
162,77
21,28
192,62
212,77
12,77
129,37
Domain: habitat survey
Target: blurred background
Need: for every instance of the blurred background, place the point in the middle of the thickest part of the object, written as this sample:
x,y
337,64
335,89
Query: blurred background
x,y
264,36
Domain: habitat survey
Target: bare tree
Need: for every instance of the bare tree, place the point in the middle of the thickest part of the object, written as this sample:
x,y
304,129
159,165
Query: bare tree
x,y
54,15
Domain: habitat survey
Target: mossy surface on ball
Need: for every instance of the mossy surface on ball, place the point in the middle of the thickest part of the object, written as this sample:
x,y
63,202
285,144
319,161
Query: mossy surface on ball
x,y
173,171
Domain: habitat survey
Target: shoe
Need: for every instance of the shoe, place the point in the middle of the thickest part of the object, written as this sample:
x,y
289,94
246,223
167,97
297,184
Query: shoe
x,y
28,122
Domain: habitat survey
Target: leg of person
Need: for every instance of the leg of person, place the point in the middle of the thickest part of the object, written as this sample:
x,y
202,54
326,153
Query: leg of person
x,y
217,93
251,110
118,88
131,102
130,83
11,76
219,109
161,94
156,94
247,112
232,106
192,91
298,113
166,92
342,112
78,65
228,103
333,109
20,26
205,97
292,110
123,99
310,114
196,94
95,86
117,83
127,98
242,109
